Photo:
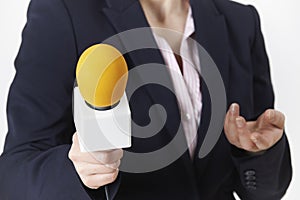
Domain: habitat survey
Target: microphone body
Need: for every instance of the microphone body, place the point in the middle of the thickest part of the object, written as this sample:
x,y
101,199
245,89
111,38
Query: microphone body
x,y
101,110
100,130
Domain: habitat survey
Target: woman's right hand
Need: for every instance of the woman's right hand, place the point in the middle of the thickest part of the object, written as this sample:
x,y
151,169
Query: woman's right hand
x,y
95,169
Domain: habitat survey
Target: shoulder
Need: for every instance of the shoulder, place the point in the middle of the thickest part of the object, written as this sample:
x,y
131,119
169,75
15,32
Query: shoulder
x,y
46,9
60,13
240,19
234,10
66,4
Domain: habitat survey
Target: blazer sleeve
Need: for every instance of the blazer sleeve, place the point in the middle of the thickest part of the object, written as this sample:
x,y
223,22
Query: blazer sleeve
x,y
268,175
35,164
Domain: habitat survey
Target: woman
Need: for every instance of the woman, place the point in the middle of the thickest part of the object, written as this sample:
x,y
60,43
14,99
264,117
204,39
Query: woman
x,y
42,161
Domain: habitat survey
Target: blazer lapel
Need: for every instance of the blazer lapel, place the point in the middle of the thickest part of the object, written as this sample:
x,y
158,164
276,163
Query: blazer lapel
x,y
211,34
126,16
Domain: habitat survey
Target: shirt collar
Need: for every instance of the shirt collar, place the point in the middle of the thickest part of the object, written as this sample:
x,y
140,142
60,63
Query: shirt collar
x,y
189,24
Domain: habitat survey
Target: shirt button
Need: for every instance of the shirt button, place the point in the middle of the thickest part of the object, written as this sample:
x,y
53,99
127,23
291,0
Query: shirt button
x,y
188,116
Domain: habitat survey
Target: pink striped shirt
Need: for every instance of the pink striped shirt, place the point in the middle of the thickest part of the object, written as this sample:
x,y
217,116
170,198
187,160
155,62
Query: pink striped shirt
x,y
186,86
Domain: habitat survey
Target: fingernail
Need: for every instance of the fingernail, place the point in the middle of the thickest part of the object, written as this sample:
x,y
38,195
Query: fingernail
x,y
253,138
271,114
239,122
233,108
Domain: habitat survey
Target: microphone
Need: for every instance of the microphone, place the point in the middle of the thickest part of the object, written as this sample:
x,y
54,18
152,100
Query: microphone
x,y
101,111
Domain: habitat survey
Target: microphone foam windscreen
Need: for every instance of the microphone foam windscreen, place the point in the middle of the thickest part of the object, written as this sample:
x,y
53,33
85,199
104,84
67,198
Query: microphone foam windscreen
x,y
102,75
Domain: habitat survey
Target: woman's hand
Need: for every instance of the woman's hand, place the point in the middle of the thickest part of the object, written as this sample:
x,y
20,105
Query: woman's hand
x,y
95,169
253,136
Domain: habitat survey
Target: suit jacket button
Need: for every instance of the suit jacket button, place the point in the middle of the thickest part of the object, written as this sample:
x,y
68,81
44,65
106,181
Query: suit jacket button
x,y
249,173
251,183
250,187
250,178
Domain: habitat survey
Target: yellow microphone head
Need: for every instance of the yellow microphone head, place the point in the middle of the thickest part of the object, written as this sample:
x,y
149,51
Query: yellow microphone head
x,y
102,76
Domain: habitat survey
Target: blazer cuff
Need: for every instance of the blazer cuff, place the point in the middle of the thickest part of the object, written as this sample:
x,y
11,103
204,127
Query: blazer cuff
x,y
256,170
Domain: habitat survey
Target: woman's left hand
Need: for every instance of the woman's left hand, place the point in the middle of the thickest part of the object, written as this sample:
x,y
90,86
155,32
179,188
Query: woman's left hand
x,y
253,136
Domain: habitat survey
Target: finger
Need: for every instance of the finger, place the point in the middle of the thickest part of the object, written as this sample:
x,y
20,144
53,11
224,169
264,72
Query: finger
x,y
244,134
276,118
115,165
108,157
98,180
76,155
100,157
261,141
234,110
232,113
87,169
230,123
76,142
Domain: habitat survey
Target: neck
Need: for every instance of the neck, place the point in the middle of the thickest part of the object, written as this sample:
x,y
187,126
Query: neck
x,y
163,8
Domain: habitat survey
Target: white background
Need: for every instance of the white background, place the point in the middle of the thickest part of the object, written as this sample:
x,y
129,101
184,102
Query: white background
x,y
281,27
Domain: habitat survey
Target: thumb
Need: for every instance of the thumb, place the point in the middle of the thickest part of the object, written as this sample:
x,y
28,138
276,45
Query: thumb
x,y
75,141
75,138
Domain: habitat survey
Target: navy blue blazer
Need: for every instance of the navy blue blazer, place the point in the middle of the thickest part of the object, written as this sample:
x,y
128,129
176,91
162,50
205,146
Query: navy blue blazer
x,y
35,164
